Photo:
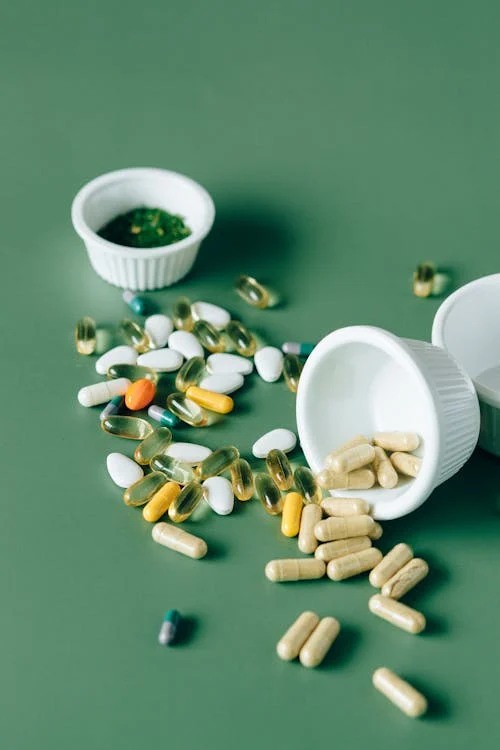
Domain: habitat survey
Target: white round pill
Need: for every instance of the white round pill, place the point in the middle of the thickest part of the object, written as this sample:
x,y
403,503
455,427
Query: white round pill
x,y
122,470
186,343
162,360
269,363
119,355
188,453
213,314
158,327
225,382
223,363
280,438
219,495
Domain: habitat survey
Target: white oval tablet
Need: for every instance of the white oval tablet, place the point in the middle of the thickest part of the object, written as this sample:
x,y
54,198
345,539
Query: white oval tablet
x,y
280,438
213,314
269,363
162,360
220,362
119,355
186,343
219,495
98,393
188,453
225,382
122,470
158,327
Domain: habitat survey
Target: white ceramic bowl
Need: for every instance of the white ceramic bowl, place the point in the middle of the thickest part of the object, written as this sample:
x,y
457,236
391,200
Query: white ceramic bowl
x,y
361,380
467,325
114,193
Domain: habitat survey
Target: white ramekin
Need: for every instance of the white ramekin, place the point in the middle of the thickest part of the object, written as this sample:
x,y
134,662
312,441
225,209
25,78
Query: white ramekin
x,y
114,193
467,325
361,380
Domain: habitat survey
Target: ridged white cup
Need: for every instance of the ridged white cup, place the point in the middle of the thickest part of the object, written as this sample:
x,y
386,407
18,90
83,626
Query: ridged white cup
x,y
361,380
117,192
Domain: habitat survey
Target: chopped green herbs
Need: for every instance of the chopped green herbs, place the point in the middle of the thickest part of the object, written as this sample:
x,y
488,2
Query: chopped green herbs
x,y
145,227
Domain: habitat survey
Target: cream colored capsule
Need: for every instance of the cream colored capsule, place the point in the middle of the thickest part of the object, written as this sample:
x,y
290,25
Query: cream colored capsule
x,y
341,548
179,540
210,400
343,528
160,502
297,569
361,479
376,531
397,613
319,642
358,440
297,634
390,564
401,693
311,514
345,506
387,476
405,579
397,441
291,513
353,564
405,463
351,459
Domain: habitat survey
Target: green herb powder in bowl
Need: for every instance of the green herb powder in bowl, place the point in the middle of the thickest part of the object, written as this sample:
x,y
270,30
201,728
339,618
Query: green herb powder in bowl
x,y
145,227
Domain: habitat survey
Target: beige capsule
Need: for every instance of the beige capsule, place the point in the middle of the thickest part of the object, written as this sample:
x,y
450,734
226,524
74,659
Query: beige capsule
x,y
390,564
405,463
341,548
386,474
397,441
406,578
358,440
361,479
397,613
311,514
343,528
296,569
351,459
401,693
353,564
297,634
376,531
345,506
319,642
179,540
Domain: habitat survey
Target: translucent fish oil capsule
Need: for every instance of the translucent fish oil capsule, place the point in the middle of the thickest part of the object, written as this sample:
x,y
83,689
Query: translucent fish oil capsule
x,y
156,443
85,335
181,314
136,303
143,490
279,469
175,470
133,428
423,279
208,336
217,462
292,368
134,335
186,410
163,416
401,693
268,494
307,485
169,628
190,373
252,291
242,479
244,342
186,502
132,372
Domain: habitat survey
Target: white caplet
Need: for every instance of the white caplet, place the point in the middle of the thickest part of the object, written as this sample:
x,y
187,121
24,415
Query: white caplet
x,y
186,343
213,314
122,470
119,355
280,438
98,393
269,363
219,495
223,363
158,327
225,382
188,453
162,360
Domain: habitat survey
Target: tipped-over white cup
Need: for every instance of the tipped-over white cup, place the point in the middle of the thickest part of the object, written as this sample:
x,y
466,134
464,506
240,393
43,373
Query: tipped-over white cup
x,y
360,380
114,193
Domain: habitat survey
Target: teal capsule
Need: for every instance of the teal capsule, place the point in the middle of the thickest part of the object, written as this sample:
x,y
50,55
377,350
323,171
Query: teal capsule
x,y
295,347
132,372
268,494
138,304
186,502
190,373
163,416
153,445
134,335
244,342
113,407
170,625
217,462
175,470
209,337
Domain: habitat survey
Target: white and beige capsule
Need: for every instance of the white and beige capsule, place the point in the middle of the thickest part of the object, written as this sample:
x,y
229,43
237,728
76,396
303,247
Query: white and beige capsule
x,y
311,514
319,642
295,569
345,506
396,441
354,564
289,645
397,613
409,700
386,474
406,464
406,578
361,479
333,528
351,459
175,538
341,548
393,561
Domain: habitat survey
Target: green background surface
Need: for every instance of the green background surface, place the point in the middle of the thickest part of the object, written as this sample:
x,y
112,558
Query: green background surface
x,y
343,143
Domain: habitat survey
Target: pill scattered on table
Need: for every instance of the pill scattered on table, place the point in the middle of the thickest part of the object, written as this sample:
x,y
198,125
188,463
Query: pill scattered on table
x,y
393,561
353,564
213,314
252,291
119,355
85,335
295,347
169,628
295,569
319,642
122,470
409,700
186,344
307,542
269,363
99,393
406,578
397,613
158,327
137,304
175,538
291,642
279,438
161,360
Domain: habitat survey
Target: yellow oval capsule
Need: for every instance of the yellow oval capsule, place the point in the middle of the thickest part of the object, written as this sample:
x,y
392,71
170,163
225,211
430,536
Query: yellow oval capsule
x,y
292,368
243,341
153,445
143,490
341,548
334,528
376,531
406,578
133,428
160,502
242,479
387,475
397,441
190,373
390,564
307,486
182,317
401,693
351,459
279,468
210,400
292,511
85,335
179,540
397,614
311,514
361,479
289,645
186,410
132,372
134,335
319,642
345,506
405,463
209,337
353,564
268,494
252,291
186,502
217,462
299,569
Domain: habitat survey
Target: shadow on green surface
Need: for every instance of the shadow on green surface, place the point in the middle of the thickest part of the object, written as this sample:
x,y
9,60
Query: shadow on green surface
x,y
344,649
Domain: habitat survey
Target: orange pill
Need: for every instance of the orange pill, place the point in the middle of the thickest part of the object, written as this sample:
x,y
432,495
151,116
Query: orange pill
x,y
210,400
139,394
160,502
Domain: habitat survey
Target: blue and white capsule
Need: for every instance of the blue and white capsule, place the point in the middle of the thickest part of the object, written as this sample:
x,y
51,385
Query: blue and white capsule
x,y
163,416
113,407
138,304
168,630
296,347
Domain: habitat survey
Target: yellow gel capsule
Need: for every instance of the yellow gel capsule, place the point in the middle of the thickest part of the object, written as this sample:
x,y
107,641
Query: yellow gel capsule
x,y
244,342
143,490
334,528
297,634
376,531
217,462
268,494
179,540
390,564
279,468
175,470
295,569
292,511
397,614
405,463
319,642
345,506
156,443
405,579
397,441
307,485
181,314
133,428
186,502
361,479
387,475
186,410
132,372
423,280
351,459
210,400
292,368
190,373
242,479
353,564
341,548
358,440
252,291
160,502
311,514
134,335
209,337
85,335
401,693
